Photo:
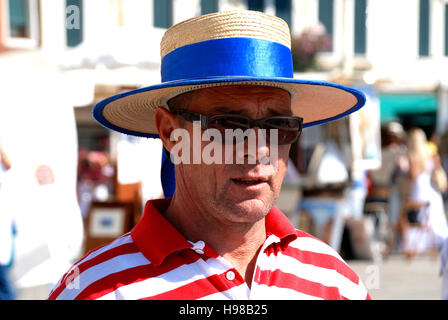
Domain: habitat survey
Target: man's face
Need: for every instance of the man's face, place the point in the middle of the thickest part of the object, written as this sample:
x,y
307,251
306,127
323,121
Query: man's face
x,y
235,193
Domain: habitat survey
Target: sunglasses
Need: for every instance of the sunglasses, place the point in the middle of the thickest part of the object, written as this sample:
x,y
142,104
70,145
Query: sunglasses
x,y
288,127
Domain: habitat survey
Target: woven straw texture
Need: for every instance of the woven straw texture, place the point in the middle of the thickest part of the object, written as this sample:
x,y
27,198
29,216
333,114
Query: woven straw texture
x,y
250,24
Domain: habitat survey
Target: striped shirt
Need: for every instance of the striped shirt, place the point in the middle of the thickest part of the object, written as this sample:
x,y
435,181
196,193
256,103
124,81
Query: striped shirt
x,y
155,261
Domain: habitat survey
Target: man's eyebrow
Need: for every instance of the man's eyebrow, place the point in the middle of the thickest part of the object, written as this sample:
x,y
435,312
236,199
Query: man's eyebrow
x,y
275,112
225,110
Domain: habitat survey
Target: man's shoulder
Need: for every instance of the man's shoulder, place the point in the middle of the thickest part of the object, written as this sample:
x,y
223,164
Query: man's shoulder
x,y
312,251
305,242
318,265
94,273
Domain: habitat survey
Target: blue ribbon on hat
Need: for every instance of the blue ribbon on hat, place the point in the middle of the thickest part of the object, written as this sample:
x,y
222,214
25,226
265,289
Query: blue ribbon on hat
x,y
228,57
167,176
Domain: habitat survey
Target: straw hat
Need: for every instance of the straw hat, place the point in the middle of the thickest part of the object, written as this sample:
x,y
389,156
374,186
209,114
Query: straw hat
x,y
226,48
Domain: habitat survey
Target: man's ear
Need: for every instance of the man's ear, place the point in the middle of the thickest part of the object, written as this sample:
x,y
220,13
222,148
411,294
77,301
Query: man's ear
x,y
166,122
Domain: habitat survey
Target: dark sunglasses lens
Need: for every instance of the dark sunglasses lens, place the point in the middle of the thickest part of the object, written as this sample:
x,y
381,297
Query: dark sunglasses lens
x,y
222,122
285,136
230,122
288,128
283,122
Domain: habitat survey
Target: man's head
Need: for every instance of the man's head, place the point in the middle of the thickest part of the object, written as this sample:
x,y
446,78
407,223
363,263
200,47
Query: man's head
x,y
237,192
241,48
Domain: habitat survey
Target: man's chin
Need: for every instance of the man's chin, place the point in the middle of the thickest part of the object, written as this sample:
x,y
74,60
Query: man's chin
x,y
250,210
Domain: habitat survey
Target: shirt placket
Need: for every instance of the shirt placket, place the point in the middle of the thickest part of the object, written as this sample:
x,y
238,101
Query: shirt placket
x,y
239,292
236,293
254,293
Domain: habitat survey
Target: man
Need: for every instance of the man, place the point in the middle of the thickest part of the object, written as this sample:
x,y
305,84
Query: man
x,y
444,269
227,112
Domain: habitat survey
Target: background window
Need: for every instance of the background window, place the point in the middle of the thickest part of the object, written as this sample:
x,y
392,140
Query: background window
x,y
326,9
257,5
423,48
19,18
360,26
163,13
283,10
209,6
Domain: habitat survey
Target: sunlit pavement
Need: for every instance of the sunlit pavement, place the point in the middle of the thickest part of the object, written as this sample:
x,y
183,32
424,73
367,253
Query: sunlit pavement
x,y
397,278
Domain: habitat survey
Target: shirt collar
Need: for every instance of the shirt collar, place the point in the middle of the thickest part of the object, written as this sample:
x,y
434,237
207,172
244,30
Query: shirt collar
x,y
157,238
278,224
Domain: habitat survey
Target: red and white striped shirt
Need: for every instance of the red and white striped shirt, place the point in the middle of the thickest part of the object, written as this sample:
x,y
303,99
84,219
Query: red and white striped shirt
x,y
155,261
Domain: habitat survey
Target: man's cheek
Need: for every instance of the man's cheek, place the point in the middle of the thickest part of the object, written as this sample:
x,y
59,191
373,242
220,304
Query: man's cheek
x,y
281,160
280,171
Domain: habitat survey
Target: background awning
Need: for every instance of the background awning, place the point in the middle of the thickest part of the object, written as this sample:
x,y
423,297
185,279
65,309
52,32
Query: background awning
x,y
395,106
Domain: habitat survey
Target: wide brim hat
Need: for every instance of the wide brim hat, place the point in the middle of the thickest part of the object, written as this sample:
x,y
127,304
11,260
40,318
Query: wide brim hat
x,y
226,48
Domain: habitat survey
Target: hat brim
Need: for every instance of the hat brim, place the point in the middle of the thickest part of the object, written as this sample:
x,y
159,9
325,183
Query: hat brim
x,y
317,102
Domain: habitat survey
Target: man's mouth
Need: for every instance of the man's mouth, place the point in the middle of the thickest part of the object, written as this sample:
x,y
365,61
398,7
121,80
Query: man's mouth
x,y
249,181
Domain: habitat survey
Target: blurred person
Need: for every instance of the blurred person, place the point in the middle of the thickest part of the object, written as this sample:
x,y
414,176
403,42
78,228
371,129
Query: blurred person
x,y
385,191
41,189
95,178
443,151
422,164
439,177
6,235
444,269
84,185
439,151
433,144
394,164
220,235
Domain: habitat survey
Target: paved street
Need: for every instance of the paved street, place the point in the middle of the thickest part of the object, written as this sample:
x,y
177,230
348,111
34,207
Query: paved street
x,y
400,279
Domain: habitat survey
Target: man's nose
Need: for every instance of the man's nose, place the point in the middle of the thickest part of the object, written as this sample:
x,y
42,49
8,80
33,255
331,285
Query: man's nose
x,y
256,149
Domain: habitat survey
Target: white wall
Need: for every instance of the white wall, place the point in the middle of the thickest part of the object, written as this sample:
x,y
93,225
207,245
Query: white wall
x,y
225,5
184,10
138,14
98,19
392,30
53,33
305,13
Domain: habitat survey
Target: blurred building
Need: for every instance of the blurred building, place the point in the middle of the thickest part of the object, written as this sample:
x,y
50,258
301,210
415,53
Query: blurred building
x,y
399,47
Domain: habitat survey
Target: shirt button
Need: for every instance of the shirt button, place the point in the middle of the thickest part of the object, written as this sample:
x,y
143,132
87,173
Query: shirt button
x,y
230,275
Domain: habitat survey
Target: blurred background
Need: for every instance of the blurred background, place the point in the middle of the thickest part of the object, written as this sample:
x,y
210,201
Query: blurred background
x,y
371,185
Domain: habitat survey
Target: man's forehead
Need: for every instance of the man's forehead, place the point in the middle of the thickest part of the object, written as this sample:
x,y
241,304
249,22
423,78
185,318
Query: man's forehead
x,y
240,90
222,96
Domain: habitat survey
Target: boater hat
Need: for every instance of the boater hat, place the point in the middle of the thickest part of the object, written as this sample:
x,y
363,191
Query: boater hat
x,y
226,48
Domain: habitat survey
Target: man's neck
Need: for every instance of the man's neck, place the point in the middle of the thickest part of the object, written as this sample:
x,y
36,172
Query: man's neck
x,y
238,243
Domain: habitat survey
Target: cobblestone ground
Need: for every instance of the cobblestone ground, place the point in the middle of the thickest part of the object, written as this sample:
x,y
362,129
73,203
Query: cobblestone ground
x,y
397,278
